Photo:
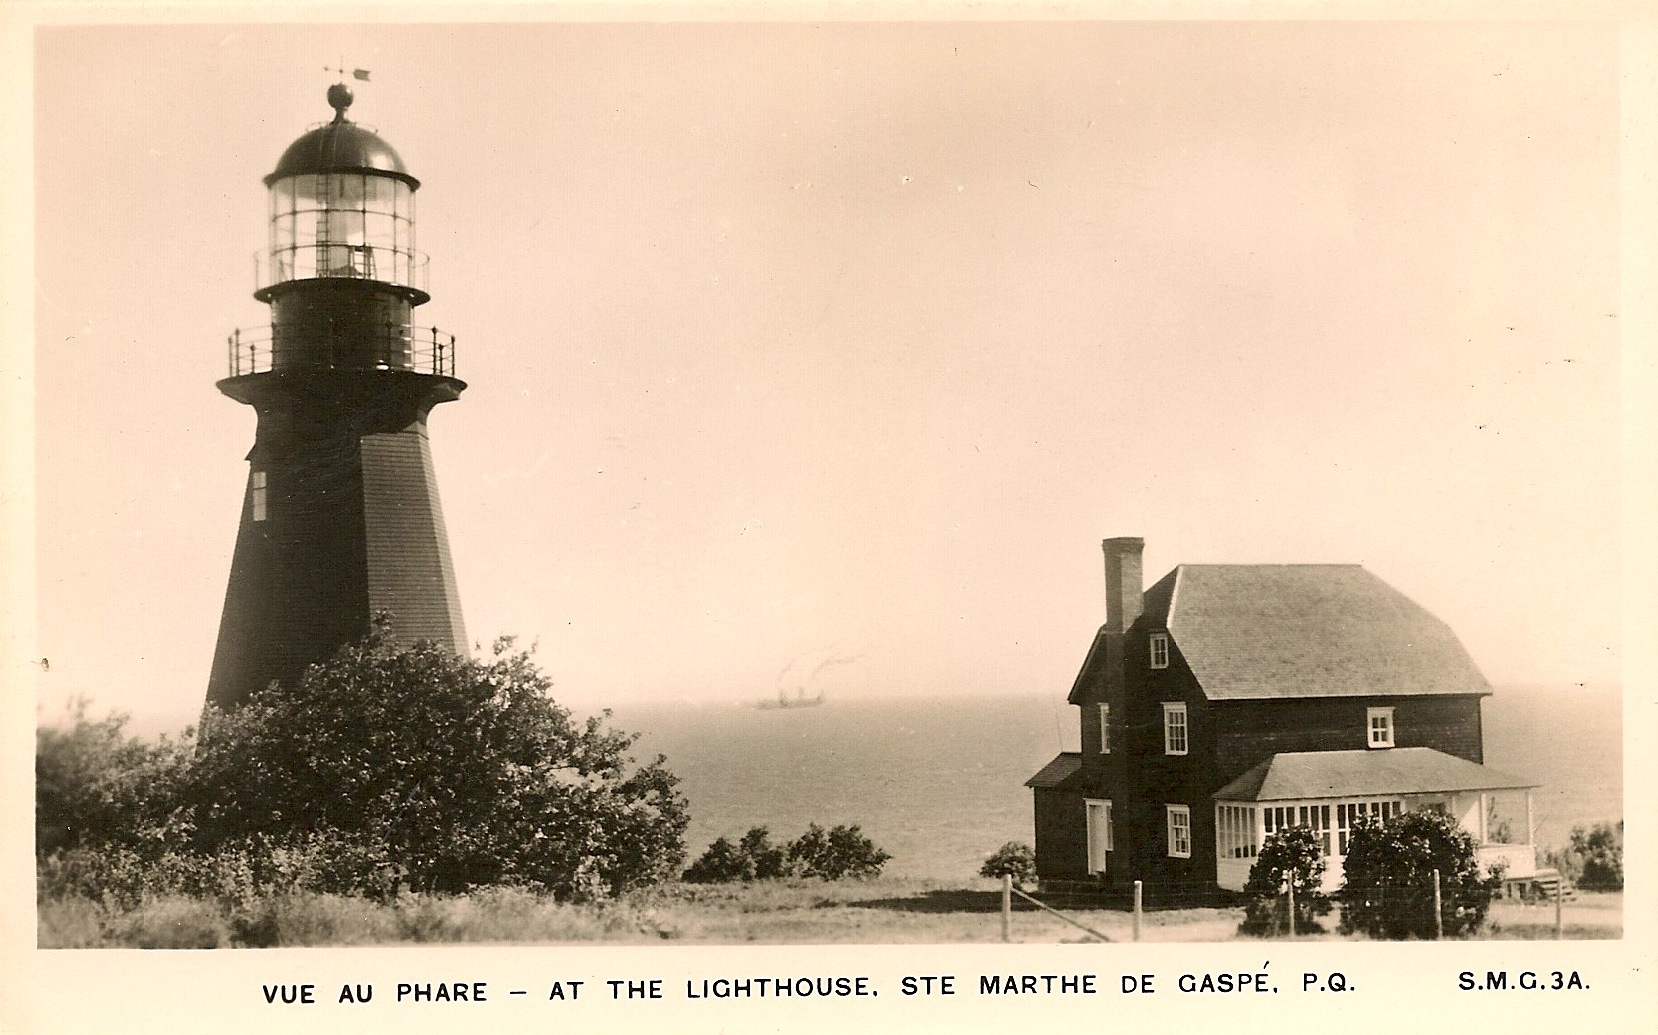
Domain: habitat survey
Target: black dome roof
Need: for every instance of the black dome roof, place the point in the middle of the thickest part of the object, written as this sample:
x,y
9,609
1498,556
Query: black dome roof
x,y
340,146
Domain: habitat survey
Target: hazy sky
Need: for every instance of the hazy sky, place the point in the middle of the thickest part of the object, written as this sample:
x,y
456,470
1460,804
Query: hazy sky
x,y
801,343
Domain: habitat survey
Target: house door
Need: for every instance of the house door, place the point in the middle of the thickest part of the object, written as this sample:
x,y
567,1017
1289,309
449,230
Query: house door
x,y
1099,835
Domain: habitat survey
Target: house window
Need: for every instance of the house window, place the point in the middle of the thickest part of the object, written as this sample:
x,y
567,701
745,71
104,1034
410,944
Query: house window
x,y
1174,727
1099,834
1105,729
256,496
1379,722
1159,650
1235,832
1180,832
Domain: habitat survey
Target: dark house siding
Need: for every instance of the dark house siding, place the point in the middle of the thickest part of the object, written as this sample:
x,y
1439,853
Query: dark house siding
x,y
1160,780
1250,731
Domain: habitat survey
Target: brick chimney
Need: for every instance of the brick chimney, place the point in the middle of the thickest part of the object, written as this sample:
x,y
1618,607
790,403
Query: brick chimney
x,y
1124,585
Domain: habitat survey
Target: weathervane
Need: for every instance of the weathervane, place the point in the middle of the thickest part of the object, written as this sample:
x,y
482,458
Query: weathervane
x,y
360,74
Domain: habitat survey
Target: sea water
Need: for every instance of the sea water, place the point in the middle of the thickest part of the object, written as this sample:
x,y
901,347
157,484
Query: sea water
x,y
939,782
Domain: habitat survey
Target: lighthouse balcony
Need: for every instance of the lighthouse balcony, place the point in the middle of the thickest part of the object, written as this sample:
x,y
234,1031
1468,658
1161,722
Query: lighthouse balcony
x,y
419,350
382,263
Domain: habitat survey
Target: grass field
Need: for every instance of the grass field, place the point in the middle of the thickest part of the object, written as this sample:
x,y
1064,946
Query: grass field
x,y
882,911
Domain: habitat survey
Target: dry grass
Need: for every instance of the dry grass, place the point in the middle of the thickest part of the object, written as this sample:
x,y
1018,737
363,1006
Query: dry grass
x,y
886,910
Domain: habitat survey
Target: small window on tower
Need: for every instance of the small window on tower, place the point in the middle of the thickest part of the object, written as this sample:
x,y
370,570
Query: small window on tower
x,y
256,496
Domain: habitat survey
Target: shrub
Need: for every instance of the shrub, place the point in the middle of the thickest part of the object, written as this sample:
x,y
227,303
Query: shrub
x,y
722,863
1593,859
840,853
386,769
1014,859
1388,891
832,855
1295,854
94,784
465,772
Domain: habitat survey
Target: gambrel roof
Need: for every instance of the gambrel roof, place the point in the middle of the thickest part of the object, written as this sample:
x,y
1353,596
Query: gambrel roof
x,y
1251,631
1293,775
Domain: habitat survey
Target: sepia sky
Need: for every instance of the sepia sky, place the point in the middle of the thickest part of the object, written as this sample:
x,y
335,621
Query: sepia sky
x,y
825,354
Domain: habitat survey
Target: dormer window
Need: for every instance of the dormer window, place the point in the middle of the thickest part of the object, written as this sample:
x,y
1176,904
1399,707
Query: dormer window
x,y
1105,729
1174,727
1159,650
1379,726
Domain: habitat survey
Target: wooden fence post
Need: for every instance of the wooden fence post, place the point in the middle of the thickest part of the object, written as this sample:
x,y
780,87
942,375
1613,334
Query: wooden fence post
x,y
1438,909
1289,884
1007,905
1137,888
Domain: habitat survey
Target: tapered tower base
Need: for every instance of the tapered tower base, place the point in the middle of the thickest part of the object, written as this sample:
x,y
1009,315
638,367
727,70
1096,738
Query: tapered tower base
x,y
340,522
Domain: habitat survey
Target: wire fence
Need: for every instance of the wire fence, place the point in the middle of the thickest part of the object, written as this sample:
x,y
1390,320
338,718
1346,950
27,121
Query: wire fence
x,y
1418,908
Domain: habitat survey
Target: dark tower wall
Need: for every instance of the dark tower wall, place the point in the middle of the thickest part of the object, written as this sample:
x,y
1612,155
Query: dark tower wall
x,y
352,525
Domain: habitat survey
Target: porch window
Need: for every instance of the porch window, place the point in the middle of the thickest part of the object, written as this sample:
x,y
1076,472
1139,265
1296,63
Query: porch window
x,y
1105,729
1099,834
1235,832
1174,727
1159,650
1180,831
1277,818
1348,812
1379,723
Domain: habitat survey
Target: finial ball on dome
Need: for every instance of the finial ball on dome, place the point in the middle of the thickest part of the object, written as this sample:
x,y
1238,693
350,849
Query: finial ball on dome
x,y
340,98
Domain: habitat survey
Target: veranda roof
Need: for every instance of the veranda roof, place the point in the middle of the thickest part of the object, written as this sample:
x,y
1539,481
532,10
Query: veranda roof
x,y
1293,775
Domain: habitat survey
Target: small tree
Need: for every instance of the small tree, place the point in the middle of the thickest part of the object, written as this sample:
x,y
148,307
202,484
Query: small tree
x,y
1294,855
1014,859
1388,890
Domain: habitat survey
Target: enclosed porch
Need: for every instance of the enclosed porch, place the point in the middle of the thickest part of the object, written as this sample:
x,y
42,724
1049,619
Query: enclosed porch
x,y
1327,792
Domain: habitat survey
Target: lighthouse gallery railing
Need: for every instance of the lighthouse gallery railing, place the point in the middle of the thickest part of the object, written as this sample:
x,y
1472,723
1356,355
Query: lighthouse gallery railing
x,y
420,350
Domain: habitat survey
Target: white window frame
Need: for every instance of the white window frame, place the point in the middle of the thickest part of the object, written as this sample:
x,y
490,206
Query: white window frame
x,y
1175,721
258,496
1180,831
1371,728
1098,811
1235,832
1105,729
1159,650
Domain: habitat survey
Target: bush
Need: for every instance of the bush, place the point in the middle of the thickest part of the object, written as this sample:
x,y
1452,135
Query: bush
x,y
384,770
838,854
1593,859
832,855
95,785
1295,854
1388,891
1014,859
722,863
465,772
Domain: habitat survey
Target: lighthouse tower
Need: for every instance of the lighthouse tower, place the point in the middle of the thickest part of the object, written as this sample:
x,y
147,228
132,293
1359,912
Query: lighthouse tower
x,y
340,517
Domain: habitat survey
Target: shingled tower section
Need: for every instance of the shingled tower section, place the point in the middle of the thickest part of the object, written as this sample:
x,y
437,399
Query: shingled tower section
x,y
340,517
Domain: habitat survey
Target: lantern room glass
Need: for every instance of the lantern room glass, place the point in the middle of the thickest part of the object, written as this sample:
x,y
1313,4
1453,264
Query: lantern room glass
x,y
354,225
